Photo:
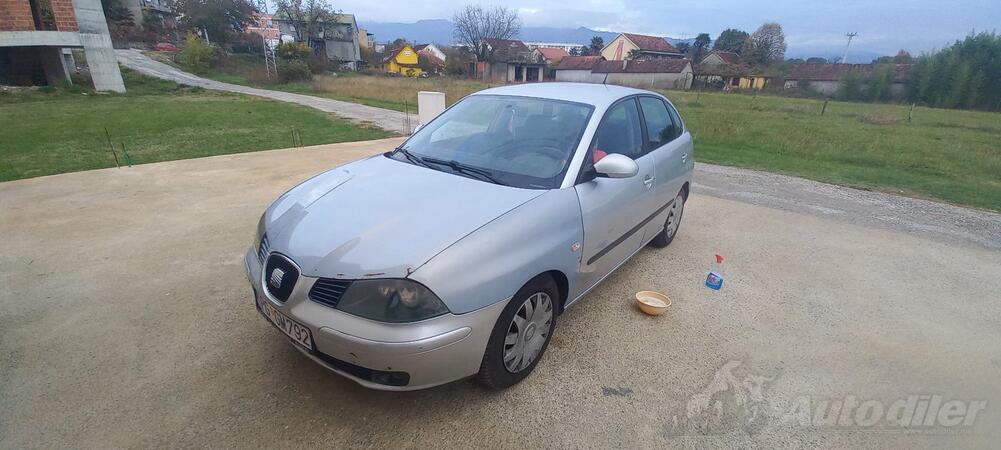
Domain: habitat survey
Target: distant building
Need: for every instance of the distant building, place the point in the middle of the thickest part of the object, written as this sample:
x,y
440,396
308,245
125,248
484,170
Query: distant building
x,y
336,39
264,26
826,78
158,10
508,60
646,73
553,55
34,46
718,57
567,47
403,60
726,71
648,47
578,69
365,39
431,50
639,73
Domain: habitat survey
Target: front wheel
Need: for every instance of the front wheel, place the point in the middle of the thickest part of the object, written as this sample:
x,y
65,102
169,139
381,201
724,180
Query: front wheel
x,y
671,224
521,334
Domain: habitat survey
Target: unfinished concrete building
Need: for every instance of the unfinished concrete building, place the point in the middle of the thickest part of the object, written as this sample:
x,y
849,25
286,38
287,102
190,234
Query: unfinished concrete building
x,y
35,36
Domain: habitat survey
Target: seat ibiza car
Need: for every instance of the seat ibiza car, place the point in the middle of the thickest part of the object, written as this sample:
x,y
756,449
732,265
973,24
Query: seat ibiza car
x,y
454,254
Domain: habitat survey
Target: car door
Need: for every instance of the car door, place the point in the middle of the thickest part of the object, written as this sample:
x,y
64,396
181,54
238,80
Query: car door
x,y
669,145
613,209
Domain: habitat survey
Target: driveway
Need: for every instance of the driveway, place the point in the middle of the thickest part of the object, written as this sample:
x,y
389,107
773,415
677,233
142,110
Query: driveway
x,y
126,321
386,119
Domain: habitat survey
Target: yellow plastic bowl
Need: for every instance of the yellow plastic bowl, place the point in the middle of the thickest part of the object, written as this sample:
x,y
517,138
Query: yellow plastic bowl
x,y
652,303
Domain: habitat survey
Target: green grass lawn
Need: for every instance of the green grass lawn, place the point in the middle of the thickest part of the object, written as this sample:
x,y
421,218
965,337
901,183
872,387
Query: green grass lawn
x,y
950,155
64,130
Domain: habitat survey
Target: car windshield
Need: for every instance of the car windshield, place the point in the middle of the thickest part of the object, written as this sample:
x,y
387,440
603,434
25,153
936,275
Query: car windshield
x,y
516,141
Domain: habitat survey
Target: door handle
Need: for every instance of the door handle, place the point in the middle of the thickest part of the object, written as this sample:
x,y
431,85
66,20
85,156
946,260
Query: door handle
x,y
684,157
648,181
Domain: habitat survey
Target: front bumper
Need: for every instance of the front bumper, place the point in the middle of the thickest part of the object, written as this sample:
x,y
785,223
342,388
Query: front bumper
x,y
430,352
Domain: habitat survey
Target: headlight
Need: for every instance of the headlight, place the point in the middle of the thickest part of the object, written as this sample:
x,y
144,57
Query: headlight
x,y
391,300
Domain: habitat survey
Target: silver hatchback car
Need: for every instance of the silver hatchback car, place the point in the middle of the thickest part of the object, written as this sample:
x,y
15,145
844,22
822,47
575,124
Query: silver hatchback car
x,y
454,254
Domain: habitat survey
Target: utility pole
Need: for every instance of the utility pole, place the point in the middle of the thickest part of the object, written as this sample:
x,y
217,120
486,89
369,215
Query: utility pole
x,y
844,56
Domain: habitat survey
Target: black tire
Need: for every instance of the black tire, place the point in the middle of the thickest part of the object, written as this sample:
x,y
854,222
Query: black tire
x,y
493,372
666,236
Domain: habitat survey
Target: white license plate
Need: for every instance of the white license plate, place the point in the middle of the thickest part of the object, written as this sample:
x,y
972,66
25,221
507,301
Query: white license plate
x,y
299,333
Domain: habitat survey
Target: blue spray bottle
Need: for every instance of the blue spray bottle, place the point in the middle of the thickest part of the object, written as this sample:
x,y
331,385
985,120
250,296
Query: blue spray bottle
x,y
714,280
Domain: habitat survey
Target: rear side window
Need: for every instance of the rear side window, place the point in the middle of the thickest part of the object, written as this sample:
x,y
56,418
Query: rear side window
x,y
679,127
659,126
620,132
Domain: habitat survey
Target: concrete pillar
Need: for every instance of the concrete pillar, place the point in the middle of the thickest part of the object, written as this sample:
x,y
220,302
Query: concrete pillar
x,y
96,42
52,64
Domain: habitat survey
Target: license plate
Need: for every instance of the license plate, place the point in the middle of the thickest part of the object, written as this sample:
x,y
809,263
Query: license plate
x,y
299,333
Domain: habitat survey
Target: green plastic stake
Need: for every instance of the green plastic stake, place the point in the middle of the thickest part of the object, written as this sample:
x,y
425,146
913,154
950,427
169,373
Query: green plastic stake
x,y
125,153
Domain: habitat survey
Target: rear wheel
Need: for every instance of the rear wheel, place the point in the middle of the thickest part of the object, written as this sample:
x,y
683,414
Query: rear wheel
x,y
521,334
672,223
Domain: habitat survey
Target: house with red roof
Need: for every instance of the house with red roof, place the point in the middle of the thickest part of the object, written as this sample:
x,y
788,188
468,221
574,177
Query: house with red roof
x,y
577,69
826,78
508,60
645,73
641,46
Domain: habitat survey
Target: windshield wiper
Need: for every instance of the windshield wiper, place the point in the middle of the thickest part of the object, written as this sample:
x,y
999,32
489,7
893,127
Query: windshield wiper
x,y
466,169
412,157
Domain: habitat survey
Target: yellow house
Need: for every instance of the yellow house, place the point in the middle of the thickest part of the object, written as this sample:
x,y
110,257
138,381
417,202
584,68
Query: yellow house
x,y
403,61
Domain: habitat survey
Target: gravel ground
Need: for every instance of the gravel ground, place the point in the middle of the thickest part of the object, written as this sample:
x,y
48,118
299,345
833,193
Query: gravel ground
x,y
126,321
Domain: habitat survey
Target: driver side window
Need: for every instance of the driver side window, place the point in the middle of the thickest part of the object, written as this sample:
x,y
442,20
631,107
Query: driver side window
x,y
619,132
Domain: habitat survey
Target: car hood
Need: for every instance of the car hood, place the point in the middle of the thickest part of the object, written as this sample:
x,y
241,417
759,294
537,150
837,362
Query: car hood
x,y
381,218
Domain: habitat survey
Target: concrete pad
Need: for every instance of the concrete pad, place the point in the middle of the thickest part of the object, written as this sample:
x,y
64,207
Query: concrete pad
x,y
126,321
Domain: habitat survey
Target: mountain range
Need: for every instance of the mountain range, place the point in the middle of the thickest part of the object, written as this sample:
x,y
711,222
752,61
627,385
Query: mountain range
x,y
440,31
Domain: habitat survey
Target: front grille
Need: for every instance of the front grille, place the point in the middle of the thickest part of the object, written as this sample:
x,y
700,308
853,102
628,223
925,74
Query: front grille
x,y
280,276
263,248
328,291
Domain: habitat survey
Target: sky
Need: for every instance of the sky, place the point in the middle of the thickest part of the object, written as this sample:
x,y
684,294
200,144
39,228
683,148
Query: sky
x,y
883,26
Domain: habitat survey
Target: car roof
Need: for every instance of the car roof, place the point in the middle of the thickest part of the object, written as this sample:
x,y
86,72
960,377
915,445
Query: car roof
x,y
599,95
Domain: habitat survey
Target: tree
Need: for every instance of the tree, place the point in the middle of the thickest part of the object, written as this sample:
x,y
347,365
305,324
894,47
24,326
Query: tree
x,y
903,57
305,16
683,47
816,60
577,51
597,43
457,60
223,20
766,45
731,40
880,83
700,46
964,75
473,25
634,54
119,18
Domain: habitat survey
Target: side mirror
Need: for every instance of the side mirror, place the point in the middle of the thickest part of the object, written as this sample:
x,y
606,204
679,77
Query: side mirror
x,y
616,165
417,128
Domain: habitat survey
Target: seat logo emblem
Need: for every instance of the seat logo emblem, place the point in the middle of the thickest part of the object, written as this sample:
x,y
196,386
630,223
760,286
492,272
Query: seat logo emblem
x,y
276,278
